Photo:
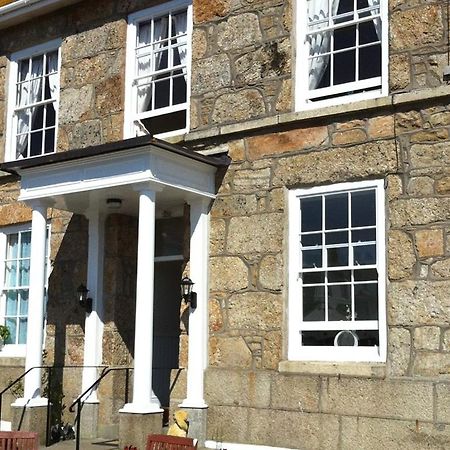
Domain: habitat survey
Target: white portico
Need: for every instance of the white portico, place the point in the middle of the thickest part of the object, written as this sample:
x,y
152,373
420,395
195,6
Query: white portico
x,y
144,174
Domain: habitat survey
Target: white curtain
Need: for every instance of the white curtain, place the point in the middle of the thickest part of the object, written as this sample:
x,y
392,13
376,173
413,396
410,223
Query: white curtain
x,y
22,115
145,64
376,20
53,78
30,92
320,42
180,24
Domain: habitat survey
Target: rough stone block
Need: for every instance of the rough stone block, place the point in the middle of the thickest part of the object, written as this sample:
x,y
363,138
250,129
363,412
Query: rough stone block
x,y
255,311
251,180
381,127
443,403
255,234
430,243
378,398
420,186
400,71
443,186
416,27
366,433
426,155
210,74
419,303
286,141
401,257
228,273
238,106
231,351
354,136
272,350
227,423
239,31
215,315
446,341
240,205
238,387
295,392
293,429
134,428
271,272
206,12
428,364
30,419
419,211
427,338
217,236
337,164
399,354
76,104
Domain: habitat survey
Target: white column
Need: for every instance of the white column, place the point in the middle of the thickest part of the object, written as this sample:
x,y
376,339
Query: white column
x,y
198,318
35,326
94,321
143,399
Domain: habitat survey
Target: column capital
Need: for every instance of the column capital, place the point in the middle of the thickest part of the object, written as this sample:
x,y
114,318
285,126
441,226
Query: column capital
x,y
39,203
151,186
193,200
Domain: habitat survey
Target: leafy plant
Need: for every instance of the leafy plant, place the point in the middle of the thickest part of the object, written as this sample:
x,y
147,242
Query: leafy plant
x,y
4,333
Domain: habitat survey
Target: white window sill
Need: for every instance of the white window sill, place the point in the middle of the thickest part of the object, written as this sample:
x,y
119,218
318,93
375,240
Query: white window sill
x,y
12,351
355,369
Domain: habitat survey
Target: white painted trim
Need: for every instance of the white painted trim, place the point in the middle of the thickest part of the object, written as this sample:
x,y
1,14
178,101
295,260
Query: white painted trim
x,y
129,129
22,10
328,353
10,134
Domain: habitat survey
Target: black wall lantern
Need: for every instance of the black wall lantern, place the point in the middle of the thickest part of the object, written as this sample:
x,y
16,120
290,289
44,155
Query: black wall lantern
x,y
186,292
83,299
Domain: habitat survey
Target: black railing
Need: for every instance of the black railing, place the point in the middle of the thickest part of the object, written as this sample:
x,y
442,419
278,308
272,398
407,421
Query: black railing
x,y
79,402
50,370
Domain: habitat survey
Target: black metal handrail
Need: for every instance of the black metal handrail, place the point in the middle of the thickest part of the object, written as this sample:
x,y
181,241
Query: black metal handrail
x,y
79,402
49,369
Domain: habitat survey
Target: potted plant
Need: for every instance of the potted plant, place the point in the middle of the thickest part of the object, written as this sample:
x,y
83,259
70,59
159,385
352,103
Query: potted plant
x,y
4,334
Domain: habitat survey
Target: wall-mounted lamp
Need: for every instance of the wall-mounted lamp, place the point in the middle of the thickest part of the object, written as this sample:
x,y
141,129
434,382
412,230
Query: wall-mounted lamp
x,y
114,203
83,299
186,292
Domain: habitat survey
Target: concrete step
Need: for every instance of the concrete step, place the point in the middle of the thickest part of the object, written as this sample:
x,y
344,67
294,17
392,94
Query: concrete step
x,y
85,444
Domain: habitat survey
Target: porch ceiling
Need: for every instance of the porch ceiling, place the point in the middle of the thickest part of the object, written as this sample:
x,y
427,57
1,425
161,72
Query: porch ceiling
x,y
80,180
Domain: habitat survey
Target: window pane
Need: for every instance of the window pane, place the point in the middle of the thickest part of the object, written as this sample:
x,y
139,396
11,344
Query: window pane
x,y
179,89
366,301
311,212
370,62
364,235
13,245
36,66
313,277
344,67
312,258
11,303
364,254
339,276
52,62
313,303
311,240
363,208
337,256
144,33
339,303
25,244
24,274
11,274
365,338
50,116
345,6
169,237
346,338
23,302
366,275
24,66
345,37
49,143
23,323
37,115
336,211
11,324
36,143
367,33
318,338
162,93
161,58
338,237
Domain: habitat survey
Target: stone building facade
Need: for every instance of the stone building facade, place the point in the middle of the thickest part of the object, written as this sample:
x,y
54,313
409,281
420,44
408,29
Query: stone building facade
x,y
244,102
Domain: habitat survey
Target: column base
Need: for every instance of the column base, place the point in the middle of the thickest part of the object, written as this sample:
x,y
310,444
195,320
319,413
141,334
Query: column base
x,y
134,427
198,419
30,418
89,421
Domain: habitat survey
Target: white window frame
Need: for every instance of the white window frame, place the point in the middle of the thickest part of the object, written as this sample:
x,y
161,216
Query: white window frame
x,y
11,123
303,97
132,125
18,350
334,353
